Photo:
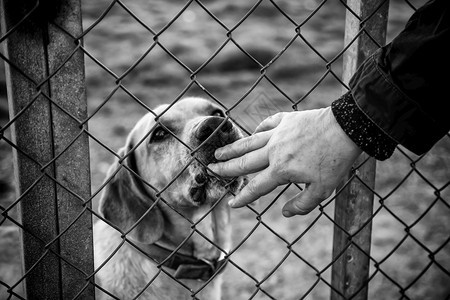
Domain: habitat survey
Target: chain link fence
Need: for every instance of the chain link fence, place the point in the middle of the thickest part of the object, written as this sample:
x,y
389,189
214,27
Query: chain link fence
x,y
80,75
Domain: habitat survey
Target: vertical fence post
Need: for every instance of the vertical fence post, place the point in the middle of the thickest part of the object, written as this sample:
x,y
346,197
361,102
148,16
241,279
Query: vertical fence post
x,y
55,268
354,204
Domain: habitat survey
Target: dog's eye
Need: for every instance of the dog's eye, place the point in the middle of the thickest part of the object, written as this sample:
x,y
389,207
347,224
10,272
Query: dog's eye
x,y
218,113
159,134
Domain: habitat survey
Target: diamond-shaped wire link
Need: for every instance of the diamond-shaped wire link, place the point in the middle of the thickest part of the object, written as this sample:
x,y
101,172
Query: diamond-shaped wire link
x,y
252,59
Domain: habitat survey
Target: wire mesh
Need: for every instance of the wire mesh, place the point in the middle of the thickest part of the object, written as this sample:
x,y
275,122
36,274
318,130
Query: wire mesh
x,y
252,60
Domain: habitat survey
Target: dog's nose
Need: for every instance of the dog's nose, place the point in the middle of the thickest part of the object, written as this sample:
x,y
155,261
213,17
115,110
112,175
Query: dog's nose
x,y
207,127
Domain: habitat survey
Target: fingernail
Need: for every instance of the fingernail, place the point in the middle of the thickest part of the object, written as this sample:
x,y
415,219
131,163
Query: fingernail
x,y
213,167
210,169
287,213
231,203
218,154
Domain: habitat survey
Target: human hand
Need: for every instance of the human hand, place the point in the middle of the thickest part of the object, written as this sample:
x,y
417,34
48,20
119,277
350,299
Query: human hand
x,y
293,147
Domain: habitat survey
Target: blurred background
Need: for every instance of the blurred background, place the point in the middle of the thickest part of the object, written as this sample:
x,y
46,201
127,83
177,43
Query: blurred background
x,y
186,41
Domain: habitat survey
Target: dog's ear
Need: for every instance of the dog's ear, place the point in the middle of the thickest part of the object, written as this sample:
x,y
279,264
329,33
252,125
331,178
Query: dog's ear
x,y
124,202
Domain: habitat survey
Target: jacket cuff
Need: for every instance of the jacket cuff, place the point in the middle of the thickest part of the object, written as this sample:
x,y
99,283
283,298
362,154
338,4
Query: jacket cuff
x,y
361,130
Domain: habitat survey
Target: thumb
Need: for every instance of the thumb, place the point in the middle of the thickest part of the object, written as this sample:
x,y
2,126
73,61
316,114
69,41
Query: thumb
x,y
305,201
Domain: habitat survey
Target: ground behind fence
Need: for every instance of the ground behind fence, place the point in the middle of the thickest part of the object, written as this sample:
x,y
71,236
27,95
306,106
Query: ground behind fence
x,y
281,259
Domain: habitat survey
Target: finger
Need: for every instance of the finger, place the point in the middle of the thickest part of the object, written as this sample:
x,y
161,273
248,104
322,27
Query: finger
x,y
242,146
269,123
260,185
246,164
306,201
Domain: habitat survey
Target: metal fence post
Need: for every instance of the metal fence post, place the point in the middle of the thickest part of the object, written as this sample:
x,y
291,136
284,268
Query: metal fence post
x,y
354,203
43,65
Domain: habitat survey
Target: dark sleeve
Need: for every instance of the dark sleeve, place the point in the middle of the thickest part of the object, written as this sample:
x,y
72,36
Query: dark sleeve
x,y
402,88
361,130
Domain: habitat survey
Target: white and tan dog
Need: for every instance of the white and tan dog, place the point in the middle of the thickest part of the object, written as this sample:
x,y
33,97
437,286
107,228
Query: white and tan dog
x,y
158,226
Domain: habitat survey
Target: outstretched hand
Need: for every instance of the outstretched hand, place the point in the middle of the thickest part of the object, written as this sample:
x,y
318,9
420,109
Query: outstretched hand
x,y
294,147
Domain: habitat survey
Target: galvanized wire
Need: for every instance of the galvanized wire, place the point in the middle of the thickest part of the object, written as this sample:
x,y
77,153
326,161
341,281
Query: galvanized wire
x,y
9,217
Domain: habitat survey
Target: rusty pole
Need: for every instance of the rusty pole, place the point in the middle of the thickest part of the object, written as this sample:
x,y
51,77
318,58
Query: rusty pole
x,y
43,63
354,203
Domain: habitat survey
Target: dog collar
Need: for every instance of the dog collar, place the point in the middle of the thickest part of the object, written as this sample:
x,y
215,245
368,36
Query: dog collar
x,y
185,266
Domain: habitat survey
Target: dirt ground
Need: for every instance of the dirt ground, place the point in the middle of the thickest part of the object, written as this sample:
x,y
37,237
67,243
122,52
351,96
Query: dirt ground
x,y
411,226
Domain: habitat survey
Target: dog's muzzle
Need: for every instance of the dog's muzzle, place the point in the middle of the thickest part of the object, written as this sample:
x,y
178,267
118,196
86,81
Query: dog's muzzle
x,y
210,124
213,133
210,134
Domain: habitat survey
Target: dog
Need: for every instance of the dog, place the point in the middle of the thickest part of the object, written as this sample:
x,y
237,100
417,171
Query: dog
x,y
163,212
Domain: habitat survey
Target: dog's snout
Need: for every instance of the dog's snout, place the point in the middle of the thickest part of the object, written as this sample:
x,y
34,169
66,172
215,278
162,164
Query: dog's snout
x,y
207,127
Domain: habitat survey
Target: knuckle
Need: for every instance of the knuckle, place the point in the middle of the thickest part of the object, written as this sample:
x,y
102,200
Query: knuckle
x,y
320,194
272,148
242,163
300,206
280,115
238,146
251,188
277,115
247,143
280,169
217,168
270,119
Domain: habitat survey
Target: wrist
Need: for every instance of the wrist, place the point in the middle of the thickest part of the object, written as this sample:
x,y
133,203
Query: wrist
x,y
342,141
